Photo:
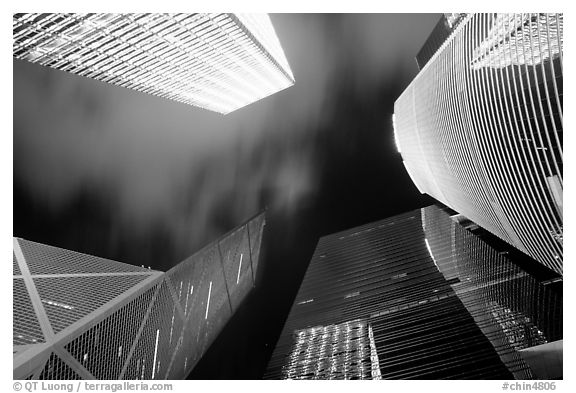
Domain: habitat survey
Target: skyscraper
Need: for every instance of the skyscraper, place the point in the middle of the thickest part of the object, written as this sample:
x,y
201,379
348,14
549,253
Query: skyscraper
x,y
416,296
220,62
77,316
480,128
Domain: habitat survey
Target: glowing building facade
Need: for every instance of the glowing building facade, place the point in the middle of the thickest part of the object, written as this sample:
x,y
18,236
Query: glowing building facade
x,y
480,128
416,296
221,62
77,316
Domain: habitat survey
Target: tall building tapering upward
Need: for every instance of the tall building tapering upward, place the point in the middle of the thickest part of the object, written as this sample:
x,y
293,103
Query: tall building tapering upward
x,y
417,296
221,62
480,128
77,316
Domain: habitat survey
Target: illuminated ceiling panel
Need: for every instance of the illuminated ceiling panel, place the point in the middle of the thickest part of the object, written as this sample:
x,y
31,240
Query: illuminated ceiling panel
x,y
220,62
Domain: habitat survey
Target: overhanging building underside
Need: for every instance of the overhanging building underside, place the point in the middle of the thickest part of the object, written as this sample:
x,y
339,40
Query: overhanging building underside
x,y
481,126
77,316
220,62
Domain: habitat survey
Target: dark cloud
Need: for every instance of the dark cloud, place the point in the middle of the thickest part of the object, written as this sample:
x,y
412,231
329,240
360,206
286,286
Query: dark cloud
x,y
162,161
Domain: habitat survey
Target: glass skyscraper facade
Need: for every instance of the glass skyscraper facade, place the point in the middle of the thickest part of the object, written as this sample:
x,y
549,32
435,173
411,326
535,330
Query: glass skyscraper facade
x,y
415,296
78,316
480,128
220,62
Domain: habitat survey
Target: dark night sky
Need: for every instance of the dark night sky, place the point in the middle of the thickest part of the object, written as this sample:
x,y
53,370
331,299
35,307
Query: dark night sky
x,y
119,174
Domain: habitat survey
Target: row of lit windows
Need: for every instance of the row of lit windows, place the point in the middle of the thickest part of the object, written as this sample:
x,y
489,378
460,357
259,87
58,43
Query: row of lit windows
x,y
330,352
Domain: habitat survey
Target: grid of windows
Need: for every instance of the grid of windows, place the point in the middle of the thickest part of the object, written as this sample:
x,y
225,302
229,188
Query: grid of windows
x,y
495,291
220,62
480,128
57,369
25,328
539,35
53,260
426,291
337,351
108,322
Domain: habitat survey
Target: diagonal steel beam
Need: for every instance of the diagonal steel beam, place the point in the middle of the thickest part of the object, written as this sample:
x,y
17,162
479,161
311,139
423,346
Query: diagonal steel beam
x,y
33,293
224,275
85,323
140,330
174,297
250,254
74,364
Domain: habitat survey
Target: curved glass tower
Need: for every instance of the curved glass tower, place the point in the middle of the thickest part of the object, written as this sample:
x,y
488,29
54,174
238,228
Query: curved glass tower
x,y
480,128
